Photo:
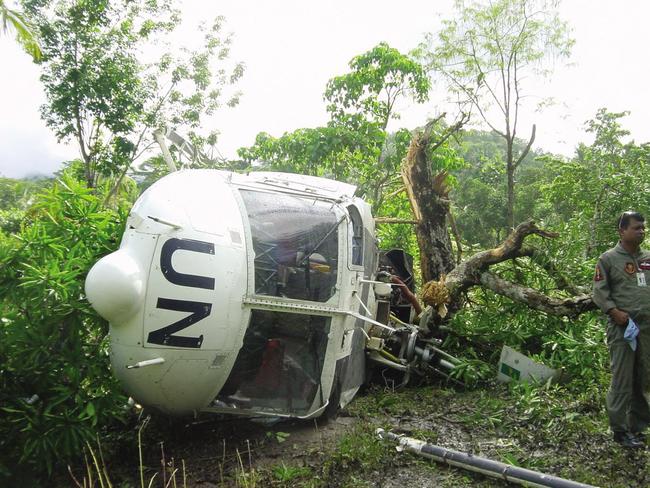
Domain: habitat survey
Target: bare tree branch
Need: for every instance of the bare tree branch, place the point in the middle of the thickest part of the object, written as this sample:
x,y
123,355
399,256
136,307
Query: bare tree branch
x,y
390,220
482,76
527,148
473,100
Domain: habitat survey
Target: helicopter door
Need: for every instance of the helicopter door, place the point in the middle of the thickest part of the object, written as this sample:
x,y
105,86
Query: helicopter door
x,y
280,364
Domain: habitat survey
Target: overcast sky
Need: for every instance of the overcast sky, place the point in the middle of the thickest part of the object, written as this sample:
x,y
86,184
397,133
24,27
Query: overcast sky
x,y
292,47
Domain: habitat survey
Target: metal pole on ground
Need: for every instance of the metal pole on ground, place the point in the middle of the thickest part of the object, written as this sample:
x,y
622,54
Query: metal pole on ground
x,y
496,469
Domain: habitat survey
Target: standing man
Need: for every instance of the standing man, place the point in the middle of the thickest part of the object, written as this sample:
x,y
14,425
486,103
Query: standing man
x,y
622,291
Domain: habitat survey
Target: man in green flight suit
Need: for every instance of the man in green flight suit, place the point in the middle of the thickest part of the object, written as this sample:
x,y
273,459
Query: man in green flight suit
x,y
621,291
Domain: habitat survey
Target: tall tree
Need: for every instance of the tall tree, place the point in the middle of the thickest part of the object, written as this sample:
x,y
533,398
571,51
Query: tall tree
x,y
100,91
604,179
486,54
14,20
355,145
376,82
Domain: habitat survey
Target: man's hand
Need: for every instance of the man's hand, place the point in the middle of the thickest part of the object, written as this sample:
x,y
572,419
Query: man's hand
x,y
619,316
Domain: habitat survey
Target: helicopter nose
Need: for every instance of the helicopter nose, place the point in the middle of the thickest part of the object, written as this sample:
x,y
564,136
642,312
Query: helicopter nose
x,y
115,286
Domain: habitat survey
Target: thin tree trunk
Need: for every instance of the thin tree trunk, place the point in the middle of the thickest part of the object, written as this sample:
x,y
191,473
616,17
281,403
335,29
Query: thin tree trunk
x,y
510,170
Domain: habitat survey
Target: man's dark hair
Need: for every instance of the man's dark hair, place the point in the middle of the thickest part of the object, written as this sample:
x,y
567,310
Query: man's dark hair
x,y
626,217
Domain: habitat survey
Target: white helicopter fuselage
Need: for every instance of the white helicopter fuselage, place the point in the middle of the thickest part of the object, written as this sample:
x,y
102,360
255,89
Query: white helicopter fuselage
x,y
241,294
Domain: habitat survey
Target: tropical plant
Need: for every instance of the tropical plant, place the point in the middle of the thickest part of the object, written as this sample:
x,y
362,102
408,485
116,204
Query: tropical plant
x,y
56,390
604,179
14,20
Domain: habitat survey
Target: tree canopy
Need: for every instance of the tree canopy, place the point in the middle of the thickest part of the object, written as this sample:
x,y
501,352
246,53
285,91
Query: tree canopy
x,y
485,55
103,94
377,80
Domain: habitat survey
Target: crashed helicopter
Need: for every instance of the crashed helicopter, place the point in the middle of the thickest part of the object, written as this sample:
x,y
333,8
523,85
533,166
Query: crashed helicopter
x,y
259,294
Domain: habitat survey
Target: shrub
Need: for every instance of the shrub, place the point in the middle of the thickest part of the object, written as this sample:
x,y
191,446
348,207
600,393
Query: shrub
x,y
57,390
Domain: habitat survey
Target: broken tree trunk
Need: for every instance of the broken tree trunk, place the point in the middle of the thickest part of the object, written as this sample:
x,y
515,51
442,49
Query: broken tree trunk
x,y
428,195
446,283
475,272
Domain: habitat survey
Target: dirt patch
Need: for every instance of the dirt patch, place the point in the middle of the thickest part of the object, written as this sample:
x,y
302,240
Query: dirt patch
x,y
218,451
569,441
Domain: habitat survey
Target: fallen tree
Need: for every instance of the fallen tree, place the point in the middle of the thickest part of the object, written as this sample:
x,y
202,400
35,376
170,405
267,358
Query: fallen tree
x,y
447,283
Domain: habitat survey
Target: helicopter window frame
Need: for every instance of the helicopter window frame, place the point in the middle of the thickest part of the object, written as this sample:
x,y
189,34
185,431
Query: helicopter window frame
x,y
355,244
277,223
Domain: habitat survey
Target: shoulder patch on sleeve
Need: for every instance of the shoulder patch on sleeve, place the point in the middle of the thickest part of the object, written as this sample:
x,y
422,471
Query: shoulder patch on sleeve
x,y
598,275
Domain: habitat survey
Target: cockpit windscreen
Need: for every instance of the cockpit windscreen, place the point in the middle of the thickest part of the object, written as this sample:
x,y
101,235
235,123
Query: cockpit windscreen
x,y
295,240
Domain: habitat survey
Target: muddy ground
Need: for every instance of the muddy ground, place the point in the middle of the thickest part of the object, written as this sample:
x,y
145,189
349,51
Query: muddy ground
x,y
556,434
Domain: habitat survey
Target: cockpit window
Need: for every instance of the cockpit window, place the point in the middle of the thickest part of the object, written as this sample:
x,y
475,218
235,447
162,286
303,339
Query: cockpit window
x,y
356,233
296,245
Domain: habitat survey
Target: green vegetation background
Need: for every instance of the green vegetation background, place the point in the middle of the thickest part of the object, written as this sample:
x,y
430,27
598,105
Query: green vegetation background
x,y
57,392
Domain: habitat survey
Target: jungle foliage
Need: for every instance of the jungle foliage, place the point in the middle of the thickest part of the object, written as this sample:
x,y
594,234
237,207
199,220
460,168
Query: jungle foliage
x,y
16,196
56,390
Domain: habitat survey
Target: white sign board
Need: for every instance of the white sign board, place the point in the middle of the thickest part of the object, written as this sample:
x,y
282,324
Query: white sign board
x,y
515,366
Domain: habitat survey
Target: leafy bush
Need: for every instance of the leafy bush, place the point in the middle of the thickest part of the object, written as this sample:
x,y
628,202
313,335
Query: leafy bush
x,y
490,321
57,390
15,197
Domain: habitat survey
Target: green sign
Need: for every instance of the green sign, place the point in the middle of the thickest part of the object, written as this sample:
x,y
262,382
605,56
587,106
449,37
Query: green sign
x,y
510,371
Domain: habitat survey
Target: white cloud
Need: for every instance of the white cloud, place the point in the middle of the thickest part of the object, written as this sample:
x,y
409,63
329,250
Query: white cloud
x,y
27,146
